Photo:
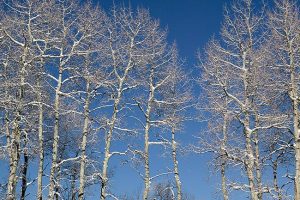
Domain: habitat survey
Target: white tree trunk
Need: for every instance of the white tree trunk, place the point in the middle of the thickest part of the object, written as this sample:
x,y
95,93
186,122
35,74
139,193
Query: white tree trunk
x,y
257,161
14,161
55,138
108,139
41,148
175,161
146,162
294,93
24,168
223,153
83,143
16,133
146,137
249,162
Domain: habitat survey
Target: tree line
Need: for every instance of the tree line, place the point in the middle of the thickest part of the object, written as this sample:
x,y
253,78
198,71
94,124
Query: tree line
x,y
82,87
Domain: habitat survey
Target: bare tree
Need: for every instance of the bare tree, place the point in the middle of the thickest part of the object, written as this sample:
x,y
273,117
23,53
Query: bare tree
x,y
236,69
134,39
284,24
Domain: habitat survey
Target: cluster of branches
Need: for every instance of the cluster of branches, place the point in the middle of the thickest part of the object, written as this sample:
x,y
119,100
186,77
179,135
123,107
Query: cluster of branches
x,y
74,81
251,80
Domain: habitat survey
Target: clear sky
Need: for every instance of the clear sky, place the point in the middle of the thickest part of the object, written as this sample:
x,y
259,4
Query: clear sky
x,y
191,23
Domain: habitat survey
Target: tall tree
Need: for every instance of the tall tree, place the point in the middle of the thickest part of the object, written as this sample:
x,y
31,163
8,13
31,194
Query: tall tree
x,y
284,23
236,69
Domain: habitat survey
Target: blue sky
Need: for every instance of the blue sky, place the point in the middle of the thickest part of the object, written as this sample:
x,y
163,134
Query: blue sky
x,y
191,23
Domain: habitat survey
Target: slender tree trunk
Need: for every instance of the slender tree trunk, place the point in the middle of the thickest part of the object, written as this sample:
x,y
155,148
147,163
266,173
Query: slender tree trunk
x,y
14,159
258,170
249,162
9,139
14,162
176,169
16,134
146,161
41,148
83,143
294,97
24,169
53,170
257,161
297,174
7,132
146,137
108,139
224,187
223,146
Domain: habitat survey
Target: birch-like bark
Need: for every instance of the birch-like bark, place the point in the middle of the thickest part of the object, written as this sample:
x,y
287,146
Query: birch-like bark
x,y
223,153
257,161
294,97
7,132
16,133
41,145
14,161
108,139
146,136
176,169
24,168
295,102
223,177
249,162
84,142
55,136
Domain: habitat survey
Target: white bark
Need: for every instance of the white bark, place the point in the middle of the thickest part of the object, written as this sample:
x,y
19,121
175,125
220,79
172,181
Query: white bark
x,y
108,138
146,136
176,169
41,147
16,133
84,143
53,183
223,152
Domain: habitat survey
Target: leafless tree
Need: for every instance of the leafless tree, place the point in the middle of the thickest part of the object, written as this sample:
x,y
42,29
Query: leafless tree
x,y
235,68
284,24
